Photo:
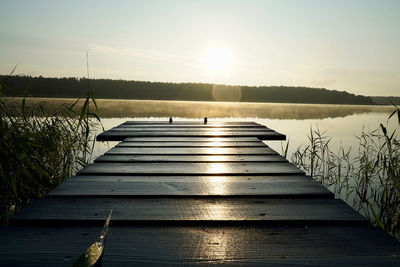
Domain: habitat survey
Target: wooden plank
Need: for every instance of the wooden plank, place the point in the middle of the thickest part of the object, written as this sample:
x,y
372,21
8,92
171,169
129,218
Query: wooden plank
x,y
196,130
191,144
251,246
191,151
181,178
119,136
163,168
200,132
184,126
192,139
198,122
192,158
189,211
190,186
194,245
44,246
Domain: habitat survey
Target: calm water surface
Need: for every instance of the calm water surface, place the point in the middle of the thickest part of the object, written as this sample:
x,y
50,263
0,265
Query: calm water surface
x,y
341,122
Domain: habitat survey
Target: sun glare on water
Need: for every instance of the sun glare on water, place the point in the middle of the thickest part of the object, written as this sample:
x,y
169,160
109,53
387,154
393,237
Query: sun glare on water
x,y
217,59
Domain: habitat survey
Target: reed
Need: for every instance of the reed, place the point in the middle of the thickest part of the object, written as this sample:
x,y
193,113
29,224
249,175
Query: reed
x,y
367,178
40,149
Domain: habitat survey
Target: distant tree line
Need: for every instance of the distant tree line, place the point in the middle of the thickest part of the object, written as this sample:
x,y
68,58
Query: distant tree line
x,y
386,100
122,89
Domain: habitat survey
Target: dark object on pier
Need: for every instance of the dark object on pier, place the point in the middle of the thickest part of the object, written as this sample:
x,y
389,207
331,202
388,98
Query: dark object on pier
x,y
205,120
170,120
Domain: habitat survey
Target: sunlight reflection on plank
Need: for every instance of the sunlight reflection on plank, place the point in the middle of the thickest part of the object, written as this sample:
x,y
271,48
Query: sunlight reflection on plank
x,y
217,168
217,158
218,185
216,150
216,132
216,143
216,139
217,245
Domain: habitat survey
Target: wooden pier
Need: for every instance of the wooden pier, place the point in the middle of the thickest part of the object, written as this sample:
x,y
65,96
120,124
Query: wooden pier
x,y
190,193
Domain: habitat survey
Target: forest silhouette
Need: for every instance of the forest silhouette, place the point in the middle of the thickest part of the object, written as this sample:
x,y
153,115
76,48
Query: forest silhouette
x,y
123,89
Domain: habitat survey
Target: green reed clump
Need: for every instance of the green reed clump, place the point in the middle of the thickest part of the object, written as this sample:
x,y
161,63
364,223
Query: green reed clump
x,y
40,149
369,181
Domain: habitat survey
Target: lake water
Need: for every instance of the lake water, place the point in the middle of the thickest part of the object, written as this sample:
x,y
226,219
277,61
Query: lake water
x,y
341,122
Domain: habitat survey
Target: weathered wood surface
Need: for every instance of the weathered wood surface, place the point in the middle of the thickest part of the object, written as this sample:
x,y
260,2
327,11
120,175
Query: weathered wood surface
x,y
199,122
198,129
205,245
112,135
191,151
189,211
194,126
192,158
191,144
172,168
189,129
181,195
193,186
192,139
44,246
260,246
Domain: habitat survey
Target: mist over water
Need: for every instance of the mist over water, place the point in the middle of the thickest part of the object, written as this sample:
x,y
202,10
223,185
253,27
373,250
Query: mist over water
x,y
341,122
200,109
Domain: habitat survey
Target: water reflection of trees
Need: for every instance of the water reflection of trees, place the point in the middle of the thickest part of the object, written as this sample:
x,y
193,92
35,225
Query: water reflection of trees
x,y
132,108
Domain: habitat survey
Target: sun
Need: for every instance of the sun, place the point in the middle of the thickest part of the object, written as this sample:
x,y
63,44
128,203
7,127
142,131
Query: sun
x,y
217,59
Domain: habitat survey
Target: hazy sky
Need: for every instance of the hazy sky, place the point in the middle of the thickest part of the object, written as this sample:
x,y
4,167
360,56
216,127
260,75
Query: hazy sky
x,y
344,45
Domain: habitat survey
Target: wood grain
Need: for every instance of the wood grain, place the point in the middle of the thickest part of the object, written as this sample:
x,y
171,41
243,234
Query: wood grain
x,y
199,122
192,158
121,135
184,126
198,129
190,186
212,168
189,151
190,211
194,245
192,139
191,144
252,246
